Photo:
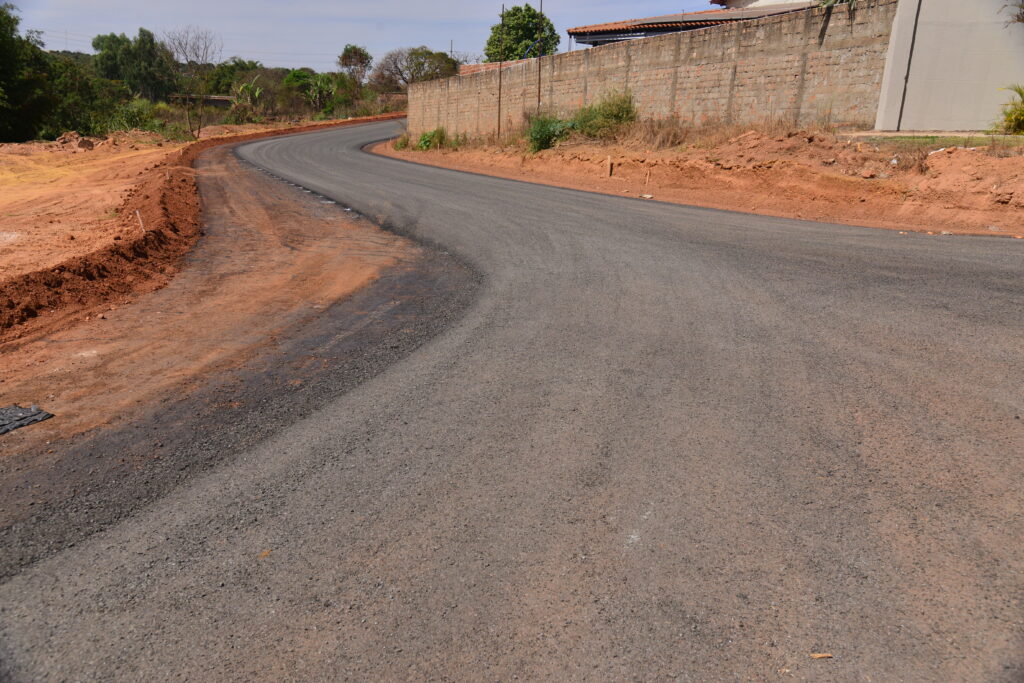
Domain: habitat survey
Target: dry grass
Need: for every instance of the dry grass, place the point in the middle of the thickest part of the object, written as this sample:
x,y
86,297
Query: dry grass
x,y
658,134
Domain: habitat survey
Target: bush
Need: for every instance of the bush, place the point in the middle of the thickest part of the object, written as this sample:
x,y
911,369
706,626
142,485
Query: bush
x,y
1013,113
605,118
545,131
242,113
433,139
402,142
136,114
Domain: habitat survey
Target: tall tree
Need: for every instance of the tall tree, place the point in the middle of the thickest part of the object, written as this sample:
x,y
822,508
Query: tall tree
x,y
144,64
230,73
25,95
83,101
398,68
197,51
355,61
524,33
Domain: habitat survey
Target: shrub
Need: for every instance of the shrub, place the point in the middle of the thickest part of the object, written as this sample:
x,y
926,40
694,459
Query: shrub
x,y
433,139
545,131
402,142
241,113
1013,112
132,115
606,117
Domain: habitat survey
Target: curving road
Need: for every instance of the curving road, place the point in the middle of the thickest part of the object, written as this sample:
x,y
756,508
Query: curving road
x,y
664,442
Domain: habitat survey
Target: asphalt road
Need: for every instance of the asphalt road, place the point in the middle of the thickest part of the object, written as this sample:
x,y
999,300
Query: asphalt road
x,y
663,442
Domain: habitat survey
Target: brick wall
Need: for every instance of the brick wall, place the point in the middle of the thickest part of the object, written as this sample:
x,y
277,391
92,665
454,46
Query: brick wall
x,y
803,66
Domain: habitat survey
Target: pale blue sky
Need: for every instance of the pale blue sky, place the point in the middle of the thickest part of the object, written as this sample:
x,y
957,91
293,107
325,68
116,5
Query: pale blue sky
x,y
312,32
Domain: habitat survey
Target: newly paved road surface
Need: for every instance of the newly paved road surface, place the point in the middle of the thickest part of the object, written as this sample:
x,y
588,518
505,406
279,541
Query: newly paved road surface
x,y
664,442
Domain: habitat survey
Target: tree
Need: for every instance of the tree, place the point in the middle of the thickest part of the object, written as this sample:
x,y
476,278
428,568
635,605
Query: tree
x,y
227,74
25,95
526,32
320,91
83,101
398,68
355,61
196,50
144,65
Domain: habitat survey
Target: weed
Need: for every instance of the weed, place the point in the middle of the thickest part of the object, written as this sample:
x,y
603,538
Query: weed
x,y
1013,112
604,119
545,131
136,114
433,139
656,134
913,159
402,142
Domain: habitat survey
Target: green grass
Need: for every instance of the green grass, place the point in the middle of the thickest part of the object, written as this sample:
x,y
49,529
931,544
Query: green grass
x,y
932,142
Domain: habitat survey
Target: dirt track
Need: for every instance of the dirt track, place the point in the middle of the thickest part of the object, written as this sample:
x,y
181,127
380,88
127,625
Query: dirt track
x,y
271,260
137,252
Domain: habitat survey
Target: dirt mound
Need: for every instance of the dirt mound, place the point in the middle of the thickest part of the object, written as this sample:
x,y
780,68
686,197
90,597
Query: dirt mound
x,y
158,222
798,174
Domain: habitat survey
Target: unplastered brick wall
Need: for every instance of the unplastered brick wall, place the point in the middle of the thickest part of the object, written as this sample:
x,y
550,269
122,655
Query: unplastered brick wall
x,y
807,66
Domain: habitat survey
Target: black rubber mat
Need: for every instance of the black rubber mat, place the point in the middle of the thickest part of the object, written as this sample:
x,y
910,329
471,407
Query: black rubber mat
x,y
13,417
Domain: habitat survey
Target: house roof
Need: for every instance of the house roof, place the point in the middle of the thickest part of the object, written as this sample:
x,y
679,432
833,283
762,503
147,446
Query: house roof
x,y
684,21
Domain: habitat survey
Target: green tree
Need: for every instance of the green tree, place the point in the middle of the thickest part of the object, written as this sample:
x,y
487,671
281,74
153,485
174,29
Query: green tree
x,y
321,91
25,93
144,64
525,31
226,75
398,68
84,101
355,61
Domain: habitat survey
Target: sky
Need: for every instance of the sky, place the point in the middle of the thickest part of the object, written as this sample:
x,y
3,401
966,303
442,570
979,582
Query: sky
x,y
313,32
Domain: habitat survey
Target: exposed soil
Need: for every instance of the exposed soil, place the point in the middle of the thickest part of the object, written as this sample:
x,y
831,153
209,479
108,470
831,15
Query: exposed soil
x,y
90,223
799,175
273,258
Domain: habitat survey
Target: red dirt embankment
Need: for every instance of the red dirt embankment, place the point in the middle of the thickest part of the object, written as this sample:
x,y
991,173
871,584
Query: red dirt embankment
x,y
158,224
802,175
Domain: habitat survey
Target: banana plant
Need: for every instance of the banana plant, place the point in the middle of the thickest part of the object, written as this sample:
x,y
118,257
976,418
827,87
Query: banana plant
x,y
321,89
248,93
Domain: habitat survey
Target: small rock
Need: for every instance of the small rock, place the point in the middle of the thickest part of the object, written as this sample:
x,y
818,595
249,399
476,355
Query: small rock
x,y
867,175
86,144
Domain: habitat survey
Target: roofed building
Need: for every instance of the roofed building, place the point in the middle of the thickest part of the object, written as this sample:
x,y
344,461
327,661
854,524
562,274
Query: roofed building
x,y
733,11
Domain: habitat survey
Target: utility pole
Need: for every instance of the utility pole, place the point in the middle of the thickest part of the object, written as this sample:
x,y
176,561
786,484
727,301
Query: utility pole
x,y
540,48
501,67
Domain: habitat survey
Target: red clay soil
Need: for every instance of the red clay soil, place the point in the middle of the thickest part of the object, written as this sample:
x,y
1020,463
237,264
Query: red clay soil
x,y
273,259
160,217
796,175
